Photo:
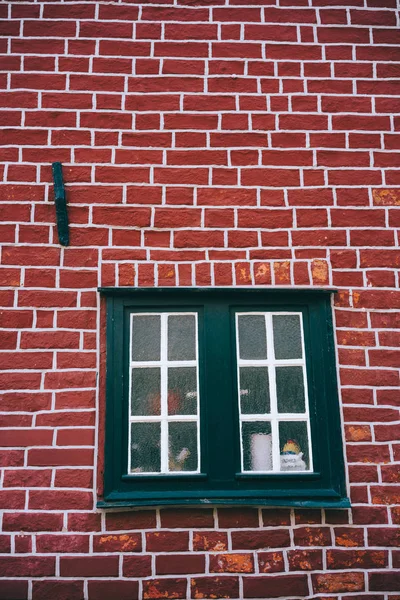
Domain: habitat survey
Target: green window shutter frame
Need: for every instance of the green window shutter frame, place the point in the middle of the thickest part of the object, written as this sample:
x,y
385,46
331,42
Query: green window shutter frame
x,y
220,480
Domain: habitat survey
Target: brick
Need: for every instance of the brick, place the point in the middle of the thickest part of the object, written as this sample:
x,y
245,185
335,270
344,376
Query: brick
x,y
312,536
93,566
167,541
60,500
232,563
82,478
42,566
234,518
358,433
84,522
385,495
384,581
226,197
384,536
11,458
368,453
117,543
62,543
14,590
64,590
371,414
338,582
349,537
270,562
253,540
180,564
359,559
123,590
305,560
217,587
27,478
11,499
60,457
32,522
164,588
182,518
275,586
216,541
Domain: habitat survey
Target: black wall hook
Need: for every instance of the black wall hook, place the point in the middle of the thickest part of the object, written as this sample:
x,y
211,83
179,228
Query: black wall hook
x,y
61,204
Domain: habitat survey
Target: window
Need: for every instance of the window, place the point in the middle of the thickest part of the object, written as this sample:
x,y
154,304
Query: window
x,y
221,396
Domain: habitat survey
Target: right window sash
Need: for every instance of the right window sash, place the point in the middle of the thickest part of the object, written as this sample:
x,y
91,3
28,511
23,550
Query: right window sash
x,y
275,435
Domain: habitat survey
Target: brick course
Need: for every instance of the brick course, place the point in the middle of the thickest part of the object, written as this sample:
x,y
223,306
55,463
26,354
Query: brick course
x,y
204,142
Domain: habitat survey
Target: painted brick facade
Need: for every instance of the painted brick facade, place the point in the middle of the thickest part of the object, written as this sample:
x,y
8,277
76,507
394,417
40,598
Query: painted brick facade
x,y
204,143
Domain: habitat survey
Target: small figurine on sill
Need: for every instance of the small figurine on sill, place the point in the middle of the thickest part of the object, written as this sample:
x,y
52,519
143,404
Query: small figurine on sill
x,y
292,457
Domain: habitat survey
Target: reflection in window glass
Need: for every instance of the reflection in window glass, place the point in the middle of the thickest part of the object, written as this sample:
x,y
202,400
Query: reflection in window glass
x,y
290,389
181,337
146,391
254,390
287,336
182,391
182,446
146,337
145,447
252,338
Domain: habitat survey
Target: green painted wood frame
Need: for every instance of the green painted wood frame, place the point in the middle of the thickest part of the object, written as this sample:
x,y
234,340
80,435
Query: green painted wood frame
x,y
220,481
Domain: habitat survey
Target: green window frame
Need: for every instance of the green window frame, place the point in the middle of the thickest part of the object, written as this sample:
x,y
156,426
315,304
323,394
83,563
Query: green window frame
x,y
229,430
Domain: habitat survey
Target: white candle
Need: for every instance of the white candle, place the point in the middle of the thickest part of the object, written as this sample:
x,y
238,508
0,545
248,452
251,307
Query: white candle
x,y
261,452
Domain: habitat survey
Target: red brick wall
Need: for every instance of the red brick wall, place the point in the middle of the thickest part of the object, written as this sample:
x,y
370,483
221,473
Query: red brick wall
x,y
204,142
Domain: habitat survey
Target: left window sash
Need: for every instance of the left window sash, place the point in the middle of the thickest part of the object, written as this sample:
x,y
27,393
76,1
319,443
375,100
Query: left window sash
x,y
164,403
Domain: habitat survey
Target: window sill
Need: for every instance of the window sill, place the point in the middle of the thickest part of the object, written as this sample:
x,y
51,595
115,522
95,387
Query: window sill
x,y
171,499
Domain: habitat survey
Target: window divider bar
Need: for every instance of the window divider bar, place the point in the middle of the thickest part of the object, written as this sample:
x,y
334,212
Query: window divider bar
x,y
276,461
167,363
164,393
276,416
158,418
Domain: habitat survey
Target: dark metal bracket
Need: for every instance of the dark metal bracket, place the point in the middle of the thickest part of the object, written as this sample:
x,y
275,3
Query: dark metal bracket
x,y
61,204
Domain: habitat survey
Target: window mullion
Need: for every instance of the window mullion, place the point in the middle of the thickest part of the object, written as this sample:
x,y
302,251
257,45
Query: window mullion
x,y
272,392
164,393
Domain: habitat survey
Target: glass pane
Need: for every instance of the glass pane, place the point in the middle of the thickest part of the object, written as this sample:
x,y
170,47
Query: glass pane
x,y
181,337
254,390
182,391
182,445
146,337
290,390
146,391
145,447
293,440
257,446
252,337
287,336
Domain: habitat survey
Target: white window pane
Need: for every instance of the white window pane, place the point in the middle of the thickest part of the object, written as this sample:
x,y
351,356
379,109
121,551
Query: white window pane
x,y
182,391
181,337
293,438
164,403
146,337
257,446
287,336
145,447
182,444
252,337
290,390
272,393
146,391
254,390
